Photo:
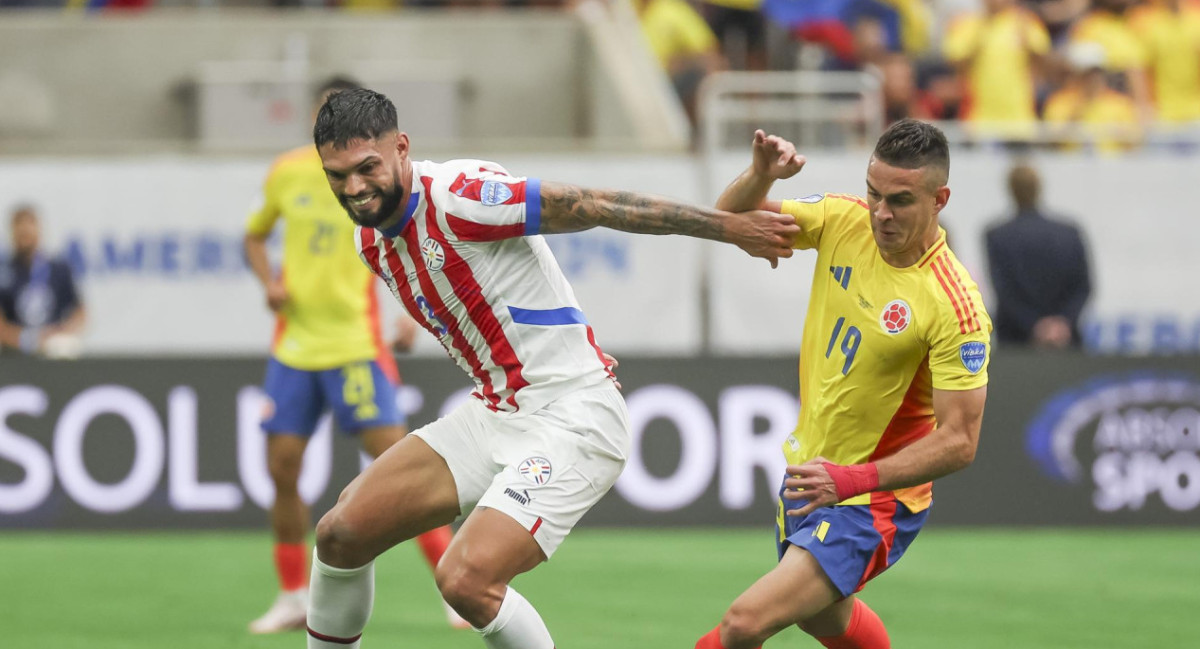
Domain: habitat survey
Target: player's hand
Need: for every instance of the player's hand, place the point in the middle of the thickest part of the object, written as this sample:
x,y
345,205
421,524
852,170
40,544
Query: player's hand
x,y
277,294
406,334
1052,331
611,362
809,482
765,234
775,157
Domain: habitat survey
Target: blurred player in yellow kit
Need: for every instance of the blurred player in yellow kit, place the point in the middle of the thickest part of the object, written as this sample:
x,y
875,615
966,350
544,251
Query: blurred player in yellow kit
x,y
893,379
327,354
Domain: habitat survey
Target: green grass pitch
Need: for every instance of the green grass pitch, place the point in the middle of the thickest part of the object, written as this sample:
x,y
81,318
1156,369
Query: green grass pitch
x,y
659,589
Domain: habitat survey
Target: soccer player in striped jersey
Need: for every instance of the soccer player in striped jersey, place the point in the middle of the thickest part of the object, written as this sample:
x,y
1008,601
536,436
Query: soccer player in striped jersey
x,y
327,354
893,379
546,433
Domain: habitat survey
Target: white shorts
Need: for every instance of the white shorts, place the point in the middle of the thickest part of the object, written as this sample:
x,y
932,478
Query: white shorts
x,y
546,469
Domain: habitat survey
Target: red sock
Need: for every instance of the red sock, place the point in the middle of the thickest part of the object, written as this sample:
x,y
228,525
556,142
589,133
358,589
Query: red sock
x,y
865,631
712,640
433,544
291,564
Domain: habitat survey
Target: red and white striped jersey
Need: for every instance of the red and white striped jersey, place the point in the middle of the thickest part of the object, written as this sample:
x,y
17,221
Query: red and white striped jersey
x,y
466,261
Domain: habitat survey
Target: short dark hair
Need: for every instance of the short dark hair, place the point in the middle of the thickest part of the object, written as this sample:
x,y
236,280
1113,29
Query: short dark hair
x,y
1025,186
912,144
354,114
23,211
336,83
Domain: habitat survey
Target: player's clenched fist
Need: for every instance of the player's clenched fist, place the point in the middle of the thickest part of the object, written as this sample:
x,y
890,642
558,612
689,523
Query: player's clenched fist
x,y
775,157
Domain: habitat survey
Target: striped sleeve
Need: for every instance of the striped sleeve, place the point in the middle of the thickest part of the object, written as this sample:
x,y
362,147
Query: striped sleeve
x,y
488,204
960,331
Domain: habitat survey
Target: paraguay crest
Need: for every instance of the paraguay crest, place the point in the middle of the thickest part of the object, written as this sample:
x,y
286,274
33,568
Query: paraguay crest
x,y
433,254
535,469
895,316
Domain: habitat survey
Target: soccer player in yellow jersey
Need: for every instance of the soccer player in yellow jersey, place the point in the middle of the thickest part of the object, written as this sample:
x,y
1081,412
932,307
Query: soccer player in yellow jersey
x,y
893,378
327,354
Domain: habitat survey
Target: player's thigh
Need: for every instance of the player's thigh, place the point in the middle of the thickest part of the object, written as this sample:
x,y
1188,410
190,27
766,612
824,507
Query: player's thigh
x,y
361,396
295,400
794,590
492,547
406,491
558,463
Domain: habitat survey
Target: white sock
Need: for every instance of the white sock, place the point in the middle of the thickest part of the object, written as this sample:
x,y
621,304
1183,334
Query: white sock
x,y
517,626
339,604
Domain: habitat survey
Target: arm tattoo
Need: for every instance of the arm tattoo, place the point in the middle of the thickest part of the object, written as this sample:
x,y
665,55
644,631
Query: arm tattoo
x,y
567,208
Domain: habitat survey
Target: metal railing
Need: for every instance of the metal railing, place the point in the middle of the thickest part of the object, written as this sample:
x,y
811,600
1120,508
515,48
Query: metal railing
x,y
810,108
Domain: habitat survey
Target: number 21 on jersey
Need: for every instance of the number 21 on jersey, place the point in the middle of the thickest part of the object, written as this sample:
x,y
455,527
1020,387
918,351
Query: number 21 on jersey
x,y
849,344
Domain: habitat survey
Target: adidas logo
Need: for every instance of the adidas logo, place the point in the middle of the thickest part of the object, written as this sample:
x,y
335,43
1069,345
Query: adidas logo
x,y
841,274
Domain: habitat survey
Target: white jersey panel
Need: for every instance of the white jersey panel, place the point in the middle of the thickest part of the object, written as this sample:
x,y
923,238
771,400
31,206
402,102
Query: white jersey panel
x,y
467,263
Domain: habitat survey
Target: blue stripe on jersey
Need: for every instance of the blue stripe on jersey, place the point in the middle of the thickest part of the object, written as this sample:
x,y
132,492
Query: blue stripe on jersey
x,y
395,230
563,316
533,206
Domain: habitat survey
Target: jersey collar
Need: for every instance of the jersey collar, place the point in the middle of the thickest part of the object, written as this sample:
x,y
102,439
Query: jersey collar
x,y
394,231
938,246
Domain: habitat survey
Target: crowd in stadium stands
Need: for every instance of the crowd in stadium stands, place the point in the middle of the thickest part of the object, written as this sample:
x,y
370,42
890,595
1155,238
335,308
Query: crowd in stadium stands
x,y
1098,71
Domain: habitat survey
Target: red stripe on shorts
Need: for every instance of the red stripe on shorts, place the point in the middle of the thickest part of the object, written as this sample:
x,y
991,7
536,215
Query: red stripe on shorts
x,y
883,510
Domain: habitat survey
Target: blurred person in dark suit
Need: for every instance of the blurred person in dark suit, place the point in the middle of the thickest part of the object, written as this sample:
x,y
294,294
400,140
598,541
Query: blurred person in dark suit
x,y
1039,270
40,309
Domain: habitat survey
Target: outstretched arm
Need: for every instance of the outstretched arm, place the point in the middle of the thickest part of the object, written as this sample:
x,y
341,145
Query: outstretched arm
x,y
774,159
568,208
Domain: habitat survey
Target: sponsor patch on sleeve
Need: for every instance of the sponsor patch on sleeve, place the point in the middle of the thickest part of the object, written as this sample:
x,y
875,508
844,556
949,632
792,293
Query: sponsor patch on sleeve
x,y
494,193
973,355
811,198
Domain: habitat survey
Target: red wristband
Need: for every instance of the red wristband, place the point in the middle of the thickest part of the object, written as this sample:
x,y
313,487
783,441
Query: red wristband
x,y
853,480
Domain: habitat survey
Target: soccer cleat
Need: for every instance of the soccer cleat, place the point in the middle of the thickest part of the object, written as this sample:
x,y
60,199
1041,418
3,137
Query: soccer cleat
x,y
454,618
288,613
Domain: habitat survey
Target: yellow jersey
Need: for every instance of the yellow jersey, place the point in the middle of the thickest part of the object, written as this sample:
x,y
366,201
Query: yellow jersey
x,y
1000,78
1122,49
331,317
1097,117
1172,44
878,340
673,29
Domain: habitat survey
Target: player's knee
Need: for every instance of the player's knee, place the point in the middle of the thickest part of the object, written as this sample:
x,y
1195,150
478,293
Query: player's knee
x,y
285,471
339,541
469,590
742,628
